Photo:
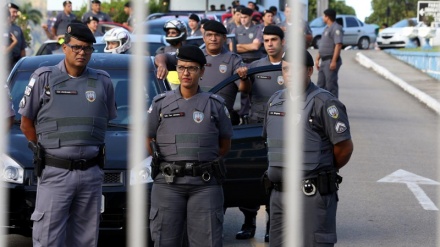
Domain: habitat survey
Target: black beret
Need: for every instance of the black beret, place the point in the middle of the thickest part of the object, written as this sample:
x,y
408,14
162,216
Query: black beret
x,y
308,59
96,1
215,26
274,30
330,13
273,9
191,53
238,8
246,11
127,4
14,6
194,17
91,18
81,32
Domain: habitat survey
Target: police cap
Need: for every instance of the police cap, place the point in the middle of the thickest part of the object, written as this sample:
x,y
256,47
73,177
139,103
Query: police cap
x,y
81,32
127,4
215,26
273,30
13,6
246,11
91,18
308,59
194,17
330,13
191,53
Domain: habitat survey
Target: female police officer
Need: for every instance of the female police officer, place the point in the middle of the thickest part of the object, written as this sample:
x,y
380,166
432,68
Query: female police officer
x,y
192,131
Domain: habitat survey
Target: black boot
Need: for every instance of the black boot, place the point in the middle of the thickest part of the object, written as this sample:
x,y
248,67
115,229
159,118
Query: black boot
x,y
247,231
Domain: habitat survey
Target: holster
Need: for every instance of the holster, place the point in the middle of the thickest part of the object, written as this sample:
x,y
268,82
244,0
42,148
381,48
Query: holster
x,y
38,159
155,163
268,185
101,156
328,182
219,170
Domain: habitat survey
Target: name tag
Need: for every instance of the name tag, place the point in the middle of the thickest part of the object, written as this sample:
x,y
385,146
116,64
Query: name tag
x,y
266,77
71,92
277,113
177,114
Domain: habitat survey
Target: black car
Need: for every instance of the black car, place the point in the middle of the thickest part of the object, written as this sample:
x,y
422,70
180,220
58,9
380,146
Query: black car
x,y
245,163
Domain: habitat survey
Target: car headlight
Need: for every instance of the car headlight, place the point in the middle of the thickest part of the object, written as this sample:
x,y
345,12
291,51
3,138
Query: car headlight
x,y
141,174
10,170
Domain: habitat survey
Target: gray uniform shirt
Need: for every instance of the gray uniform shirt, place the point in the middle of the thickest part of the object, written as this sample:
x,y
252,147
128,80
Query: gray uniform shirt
x,y
328,118
246,36
264,85
217,69
175,122
331,36
36,91
62,21
101,16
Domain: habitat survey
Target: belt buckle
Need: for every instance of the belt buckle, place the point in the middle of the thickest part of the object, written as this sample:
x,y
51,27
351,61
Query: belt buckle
x,y
308,188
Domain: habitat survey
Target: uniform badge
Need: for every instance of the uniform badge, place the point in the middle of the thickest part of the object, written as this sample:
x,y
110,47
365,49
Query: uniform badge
x,y
28,91
150,109
22,102
340,127
31,82
333,112
280,80
47,90
338,32
198,116
91,96
227,112
222,68
251,35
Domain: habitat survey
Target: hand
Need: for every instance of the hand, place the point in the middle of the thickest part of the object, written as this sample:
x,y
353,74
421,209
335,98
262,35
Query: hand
x,y
332,65
162,72
44,26
242,71
13,38
317,64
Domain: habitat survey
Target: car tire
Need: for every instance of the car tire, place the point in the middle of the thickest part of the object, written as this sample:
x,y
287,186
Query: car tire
x,y
315,42
364,43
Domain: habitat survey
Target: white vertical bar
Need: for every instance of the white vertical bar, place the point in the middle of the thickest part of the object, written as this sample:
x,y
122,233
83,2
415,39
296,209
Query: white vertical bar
x,y
294,130
3,124
136,147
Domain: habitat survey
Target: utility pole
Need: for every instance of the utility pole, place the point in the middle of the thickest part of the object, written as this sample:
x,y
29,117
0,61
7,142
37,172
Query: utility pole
x,y
321,5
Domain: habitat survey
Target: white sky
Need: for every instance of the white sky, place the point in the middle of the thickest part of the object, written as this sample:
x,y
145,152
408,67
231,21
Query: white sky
x,y
362,8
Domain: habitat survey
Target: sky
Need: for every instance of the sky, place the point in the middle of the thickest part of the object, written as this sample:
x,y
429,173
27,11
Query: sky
x,y
362,7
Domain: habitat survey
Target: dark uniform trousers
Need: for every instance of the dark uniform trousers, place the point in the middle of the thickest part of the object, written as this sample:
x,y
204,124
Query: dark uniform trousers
x,y
328,79
319,219
188,200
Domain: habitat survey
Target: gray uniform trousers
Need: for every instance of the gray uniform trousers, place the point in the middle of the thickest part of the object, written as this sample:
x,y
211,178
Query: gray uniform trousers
x,y
328,79
68,206
189,200
319,216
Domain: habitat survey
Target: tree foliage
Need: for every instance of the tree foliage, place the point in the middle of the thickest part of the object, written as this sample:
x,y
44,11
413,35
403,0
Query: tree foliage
x,y
339,6
28,17
399,9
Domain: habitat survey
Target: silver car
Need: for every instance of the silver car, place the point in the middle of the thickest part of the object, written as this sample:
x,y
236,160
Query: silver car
x,y
356,33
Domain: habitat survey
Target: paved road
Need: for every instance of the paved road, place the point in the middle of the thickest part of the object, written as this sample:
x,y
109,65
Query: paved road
x,y
392,131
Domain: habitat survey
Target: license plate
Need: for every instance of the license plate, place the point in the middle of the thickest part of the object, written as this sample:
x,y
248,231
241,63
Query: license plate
x,y
102,203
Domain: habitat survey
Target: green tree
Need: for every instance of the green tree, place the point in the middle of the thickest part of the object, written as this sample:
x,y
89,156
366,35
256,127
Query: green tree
x,y
27,18
399,9
339,6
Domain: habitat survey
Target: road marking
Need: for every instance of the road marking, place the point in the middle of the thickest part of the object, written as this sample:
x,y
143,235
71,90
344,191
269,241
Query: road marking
x,y
412,181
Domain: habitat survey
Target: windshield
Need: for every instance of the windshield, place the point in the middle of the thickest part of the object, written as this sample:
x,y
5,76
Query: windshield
x,y
318,22
120,83
405,23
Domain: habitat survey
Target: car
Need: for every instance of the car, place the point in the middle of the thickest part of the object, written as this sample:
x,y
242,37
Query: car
x,y
400,34
104,26
155,25
356,33
245,163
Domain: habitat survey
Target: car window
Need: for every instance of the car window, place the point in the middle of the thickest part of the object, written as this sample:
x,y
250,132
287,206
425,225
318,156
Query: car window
x,y
405,23
340,21
120,84
318,22
352,22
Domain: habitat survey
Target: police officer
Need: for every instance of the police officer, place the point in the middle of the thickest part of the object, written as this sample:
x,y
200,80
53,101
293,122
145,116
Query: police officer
x,y
92,24
327,147
220,65
193,23
249,38
263,86
96,12
19,49
285,25
65,109
63,19
234,22
329,52
193,132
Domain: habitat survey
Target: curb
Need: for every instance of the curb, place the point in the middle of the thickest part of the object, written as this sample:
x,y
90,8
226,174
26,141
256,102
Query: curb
x,y
421,96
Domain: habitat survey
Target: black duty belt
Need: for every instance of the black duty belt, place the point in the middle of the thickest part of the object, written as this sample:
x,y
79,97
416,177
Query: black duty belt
x,y
188,168
324,58
81,164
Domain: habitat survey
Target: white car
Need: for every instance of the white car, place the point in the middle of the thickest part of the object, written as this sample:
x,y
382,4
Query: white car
x,y
356,33
400,34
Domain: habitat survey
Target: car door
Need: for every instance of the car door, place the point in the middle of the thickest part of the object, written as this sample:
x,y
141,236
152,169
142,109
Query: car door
x,y
352,30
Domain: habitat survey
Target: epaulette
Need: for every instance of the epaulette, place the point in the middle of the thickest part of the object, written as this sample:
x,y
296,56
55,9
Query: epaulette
x,y
275,95
102,72
160,96
42,70
218,98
